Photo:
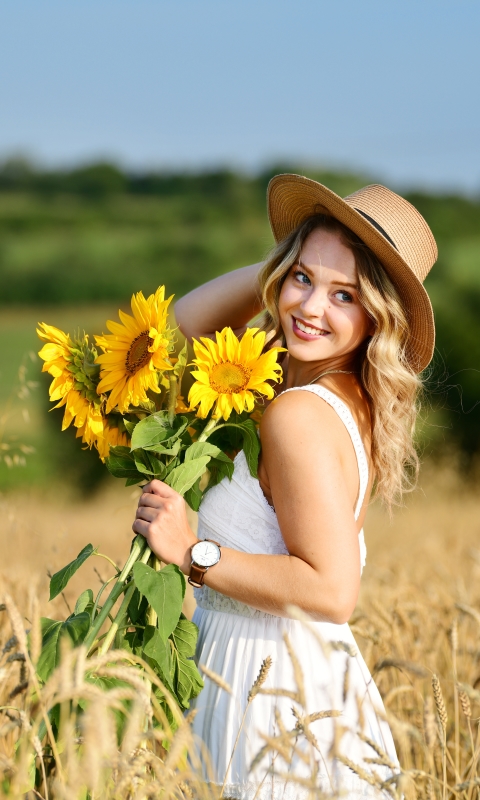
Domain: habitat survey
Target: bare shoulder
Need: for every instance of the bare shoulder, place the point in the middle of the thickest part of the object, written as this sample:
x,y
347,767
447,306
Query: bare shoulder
x,y
301,417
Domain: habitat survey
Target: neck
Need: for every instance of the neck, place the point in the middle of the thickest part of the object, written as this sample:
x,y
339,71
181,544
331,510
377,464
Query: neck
x,y
299,373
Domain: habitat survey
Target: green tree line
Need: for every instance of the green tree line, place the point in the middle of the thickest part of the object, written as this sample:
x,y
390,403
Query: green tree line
x,y
97,233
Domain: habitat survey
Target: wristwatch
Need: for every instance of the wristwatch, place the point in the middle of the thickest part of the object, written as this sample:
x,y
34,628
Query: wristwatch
x,y
205,554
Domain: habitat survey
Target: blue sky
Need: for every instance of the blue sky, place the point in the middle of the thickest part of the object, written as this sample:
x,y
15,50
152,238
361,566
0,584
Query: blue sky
x,y
391,88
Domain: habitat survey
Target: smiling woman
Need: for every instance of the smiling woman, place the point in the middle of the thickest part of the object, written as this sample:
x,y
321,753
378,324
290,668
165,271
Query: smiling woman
x,y
341,283
342,291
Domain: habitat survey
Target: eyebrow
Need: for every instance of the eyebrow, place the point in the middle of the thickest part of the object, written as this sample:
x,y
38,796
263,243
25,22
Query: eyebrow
x,y
337,283
341,283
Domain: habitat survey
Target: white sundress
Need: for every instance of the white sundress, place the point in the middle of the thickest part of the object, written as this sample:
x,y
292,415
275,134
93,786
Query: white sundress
x,y
235,638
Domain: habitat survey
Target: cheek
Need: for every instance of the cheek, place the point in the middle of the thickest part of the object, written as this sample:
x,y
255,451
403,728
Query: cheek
x,y
361,323
289,297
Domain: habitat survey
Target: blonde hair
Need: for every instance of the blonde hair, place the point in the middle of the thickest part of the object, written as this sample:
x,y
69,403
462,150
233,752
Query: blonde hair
x,y
390,383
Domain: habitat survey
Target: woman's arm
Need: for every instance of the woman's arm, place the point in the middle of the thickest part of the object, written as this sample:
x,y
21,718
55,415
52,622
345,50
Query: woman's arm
x,y
230,300
313,476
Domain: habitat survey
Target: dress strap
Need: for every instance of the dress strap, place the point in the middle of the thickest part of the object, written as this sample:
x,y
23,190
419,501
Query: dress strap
x,y
346,416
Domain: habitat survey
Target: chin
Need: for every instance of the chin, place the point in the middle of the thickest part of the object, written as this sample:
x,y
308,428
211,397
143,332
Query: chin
x,y
307,351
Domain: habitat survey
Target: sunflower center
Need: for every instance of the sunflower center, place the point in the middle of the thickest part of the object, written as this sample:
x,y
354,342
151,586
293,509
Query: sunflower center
x,y
227,378
138,354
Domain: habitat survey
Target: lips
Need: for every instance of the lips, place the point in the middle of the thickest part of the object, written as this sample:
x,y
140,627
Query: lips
x,y
307,332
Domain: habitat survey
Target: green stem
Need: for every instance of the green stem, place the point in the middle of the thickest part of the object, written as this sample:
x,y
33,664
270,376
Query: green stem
x,y
172,397
110,560
139,548
112,631
120,615
208,429
151,613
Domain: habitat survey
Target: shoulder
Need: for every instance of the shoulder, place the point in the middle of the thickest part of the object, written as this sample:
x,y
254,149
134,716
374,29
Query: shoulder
x,y
302,416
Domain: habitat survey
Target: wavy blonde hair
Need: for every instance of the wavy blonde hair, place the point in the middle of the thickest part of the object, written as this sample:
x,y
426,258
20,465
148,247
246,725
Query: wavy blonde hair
x,y
391,385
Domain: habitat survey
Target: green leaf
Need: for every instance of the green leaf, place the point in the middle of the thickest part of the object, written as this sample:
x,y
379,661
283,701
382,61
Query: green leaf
x,y
121,464
134,481
129,425
61,578
164,591
198,449
54,717
173,449
251,445
84,601
75,627
251,442
133,642
185,637
155,429
159,651
137,607
220,468
184,476
188,682
46,624
148,464
193,496
179,367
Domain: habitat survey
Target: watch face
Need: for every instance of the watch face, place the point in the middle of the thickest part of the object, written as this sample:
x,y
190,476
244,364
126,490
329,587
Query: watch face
x,y
205,554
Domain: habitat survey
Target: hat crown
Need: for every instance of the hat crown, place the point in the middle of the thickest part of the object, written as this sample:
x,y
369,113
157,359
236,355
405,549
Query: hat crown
x,y
403,224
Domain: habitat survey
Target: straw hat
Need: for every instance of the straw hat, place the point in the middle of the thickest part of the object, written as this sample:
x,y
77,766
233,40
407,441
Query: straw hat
x,y
391,227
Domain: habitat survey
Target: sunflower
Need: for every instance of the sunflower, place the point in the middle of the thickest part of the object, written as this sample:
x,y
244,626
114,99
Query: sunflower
x,y
110,436
71,363
229,373
135,352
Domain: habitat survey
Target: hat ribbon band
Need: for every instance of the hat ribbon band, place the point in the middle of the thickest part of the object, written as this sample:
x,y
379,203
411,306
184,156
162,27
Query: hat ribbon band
x,y
378,227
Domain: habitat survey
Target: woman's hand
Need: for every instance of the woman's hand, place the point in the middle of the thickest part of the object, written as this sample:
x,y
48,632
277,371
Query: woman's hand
x,y
162,519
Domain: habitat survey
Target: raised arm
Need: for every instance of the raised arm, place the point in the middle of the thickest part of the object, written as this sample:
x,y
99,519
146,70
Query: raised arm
x,y
230,300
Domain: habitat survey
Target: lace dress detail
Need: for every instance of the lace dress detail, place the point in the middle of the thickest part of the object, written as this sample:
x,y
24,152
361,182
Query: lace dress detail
x,y
234,640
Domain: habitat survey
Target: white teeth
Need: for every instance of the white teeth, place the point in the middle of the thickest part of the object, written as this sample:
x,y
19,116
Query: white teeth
x,y
308,329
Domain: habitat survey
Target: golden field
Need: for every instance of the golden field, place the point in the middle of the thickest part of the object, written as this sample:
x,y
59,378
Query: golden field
x,y
418,615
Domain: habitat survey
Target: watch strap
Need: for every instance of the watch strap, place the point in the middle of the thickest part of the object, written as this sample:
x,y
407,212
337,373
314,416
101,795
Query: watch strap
x,y
197,575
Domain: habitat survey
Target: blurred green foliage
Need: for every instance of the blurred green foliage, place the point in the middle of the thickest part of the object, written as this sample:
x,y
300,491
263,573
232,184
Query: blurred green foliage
x,y
94,235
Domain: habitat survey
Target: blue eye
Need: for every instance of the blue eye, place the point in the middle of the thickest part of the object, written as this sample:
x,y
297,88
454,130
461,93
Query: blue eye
x,y
345,297
302,277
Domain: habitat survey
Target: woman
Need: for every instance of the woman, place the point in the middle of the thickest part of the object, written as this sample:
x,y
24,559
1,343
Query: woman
x,y
343,292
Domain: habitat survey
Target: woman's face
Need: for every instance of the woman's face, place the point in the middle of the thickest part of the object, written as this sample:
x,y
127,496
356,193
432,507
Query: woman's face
x,y
319,307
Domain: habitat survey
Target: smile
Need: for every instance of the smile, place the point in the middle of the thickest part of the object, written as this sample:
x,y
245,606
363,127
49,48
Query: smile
x,y
309,330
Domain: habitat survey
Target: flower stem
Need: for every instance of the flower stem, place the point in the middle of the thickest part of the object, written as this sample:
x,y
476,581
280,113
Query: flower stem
x,y
120,615
139,548
208,429
112,632
151,613
172,397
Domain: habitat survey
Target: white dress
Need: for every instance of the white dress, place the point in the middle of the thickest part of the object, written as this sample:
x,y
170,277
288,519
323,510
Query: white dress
x,y
235,638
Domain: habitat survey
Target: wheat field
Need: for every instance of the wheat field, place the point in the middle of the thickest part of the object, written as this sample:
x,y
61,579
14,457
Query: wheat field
x,y
417,623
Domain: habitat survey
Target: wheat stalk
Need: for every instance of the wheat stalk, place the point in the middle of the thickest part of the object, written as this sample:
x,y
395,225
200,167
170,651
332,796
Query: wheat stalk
x,y
261,677
215,678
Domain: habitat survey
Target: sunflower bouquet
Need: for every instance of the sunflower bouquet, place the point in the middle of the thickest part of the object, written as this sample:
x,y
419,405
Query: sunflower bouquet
x,y
123,394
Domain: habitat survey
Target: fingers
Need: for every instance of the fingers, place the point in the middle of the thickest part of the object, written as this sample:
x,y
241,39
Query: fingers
x,y
151,500
159,488
148,514
142,527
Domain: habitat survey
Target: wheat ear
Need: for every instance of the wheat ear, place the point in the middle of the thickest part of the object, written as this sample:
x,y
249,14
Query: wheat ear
x,y
261,677
440,702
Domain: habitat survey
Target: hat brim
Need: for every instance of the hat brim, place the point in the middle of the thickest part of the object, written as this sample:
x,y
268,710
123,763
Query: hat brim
x,y
293,198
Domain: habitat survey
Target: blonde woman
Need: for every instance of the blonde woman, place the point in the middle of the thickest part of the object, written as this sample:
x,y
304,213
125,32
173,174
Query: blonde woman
x,y
343,292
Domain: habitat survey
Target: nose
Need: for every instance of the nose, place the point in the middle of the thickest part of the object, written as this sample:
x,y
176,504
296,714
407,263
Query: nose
x,y
315,303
